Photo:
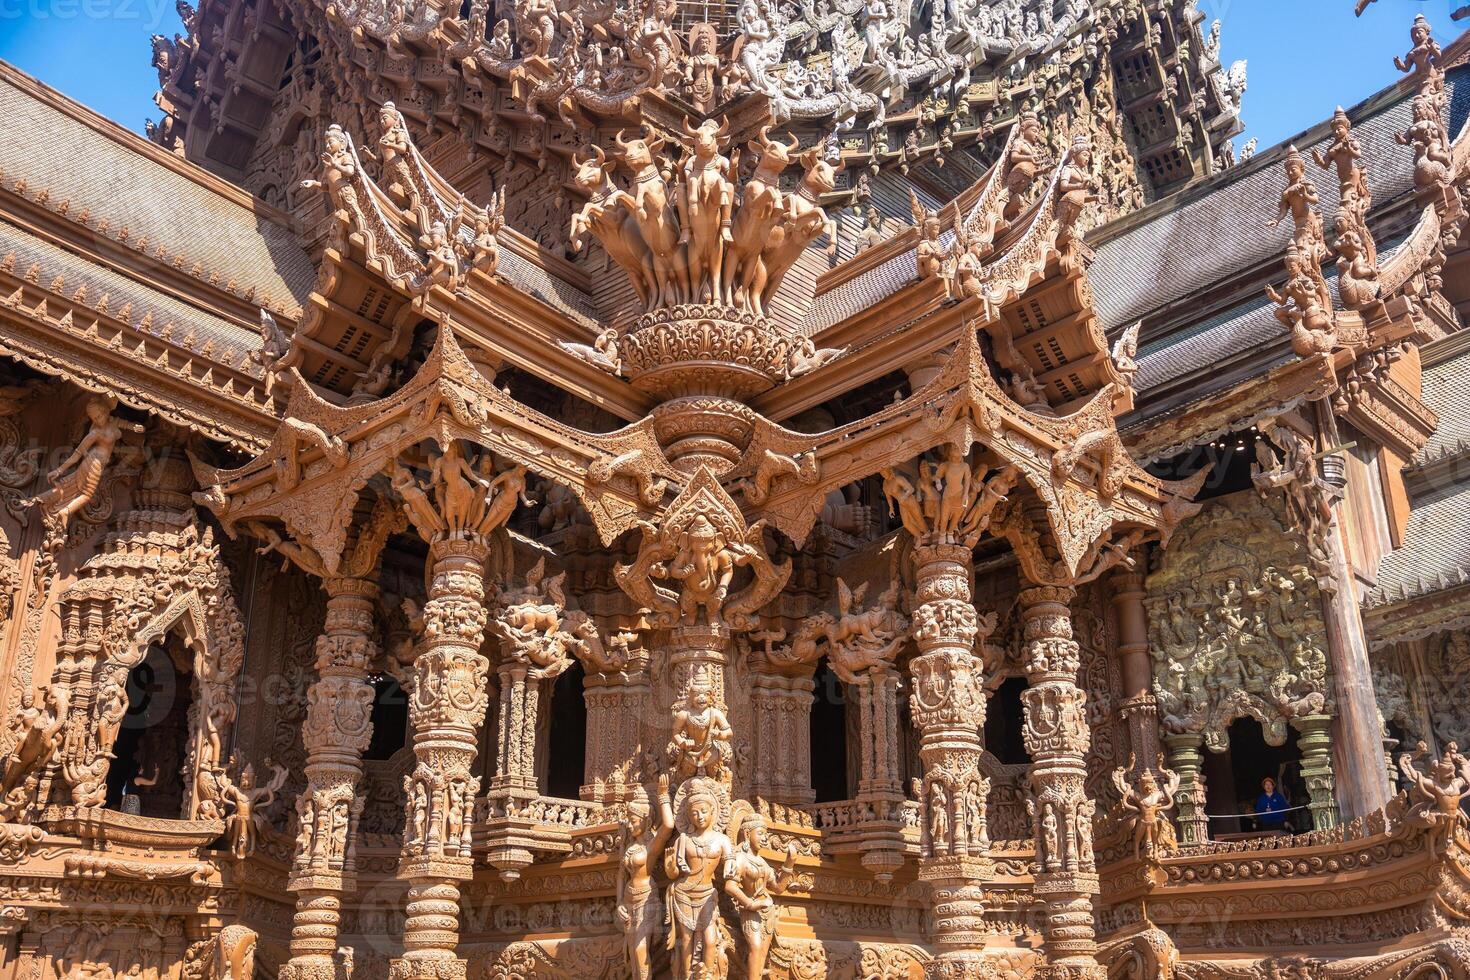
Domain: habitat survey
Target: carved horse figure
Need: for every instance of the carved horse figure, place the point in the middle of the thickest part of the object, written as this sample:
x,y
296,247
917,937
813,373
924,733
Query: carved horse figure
x,y
758,221
649,203
804,220
705,200
616,229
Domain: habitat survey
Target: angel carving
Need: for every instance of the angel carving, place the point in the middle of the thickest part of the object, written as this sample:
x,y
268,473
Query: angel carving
x,y
1438,790
243,826
929,255
74,484
1146,804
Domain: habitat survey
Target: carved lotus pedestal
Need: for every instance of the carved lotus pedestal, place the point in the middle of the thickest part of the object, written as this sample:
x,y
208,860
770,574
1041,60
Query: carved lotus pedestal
x,y
702,361
705,350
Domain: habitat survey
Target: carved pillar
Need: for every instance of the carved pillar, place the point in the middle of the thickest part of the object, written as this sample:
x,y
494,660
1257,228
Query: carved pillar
x,y
1057,739
520,704
1314,740
1361,782
781,758
446,710
878,724
336,731
948,707
617,711
1139,709
1187,758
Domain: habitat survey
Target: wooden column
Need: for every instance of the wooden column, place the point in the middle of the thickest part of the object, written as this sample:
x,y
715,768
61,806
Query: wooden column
x,y
1139,709
1362,784
337,730
1057,738
446,711
948,707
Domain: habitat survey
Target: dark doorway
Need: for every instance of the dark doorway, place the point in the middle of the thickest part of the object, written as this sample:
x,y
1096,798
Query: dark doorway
x,y
828,722
566,761
1233,779
148,756
390,719
1005,721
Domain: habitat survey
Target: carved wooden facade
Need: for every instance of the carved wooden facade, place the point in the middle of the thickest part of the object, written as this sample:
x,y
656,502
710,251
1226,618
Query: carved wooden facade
x,y
557,527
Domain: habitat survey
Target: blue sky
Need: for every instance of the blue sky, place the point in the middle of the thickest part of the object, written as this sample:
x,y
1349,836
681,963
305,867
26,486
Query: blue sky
x,y
1304,56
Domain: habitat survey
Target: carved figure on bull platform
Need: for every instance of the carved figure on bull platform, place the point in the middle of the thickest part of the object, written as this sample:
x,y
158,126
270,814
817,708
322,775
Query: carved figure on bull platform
x,y
243,825
640,908
701,739
700,856
38,729
803,222
760,213
74,484
1437,791
657,224
706,198
1146,804
751,883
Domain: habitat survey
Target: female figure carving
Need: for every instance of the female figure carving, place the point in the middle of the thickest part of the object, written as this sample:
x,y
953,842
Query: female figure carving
x,y
75,482
700,854
640,910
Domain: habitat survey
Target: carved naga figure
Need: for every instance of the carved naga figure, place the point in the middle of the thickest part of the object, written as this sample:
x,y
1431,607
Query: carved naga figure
x,y
705,199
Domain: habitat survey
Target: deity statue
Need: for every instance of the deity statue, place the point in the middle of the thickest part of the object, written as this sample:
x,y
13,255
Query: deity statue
x,y
1438,791
76,481
1304,306
929,255
705,564
861,638
640,909
1074,189
243,825
1026,158
701,738
699,856
1146,803
1299,200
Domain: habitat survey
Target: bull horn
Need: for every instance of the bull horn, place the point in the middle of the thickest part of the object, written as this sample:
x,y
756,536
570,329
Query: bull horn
x,y
794,147
724,129
764,136
622,143
689,130
601,156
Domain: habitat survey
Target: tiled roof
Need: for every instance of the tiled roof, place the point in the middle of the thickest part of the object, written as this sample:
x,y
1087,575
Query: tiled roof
x,y
229,342
555,292
101,174
1183,244
1437,555
1447,392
